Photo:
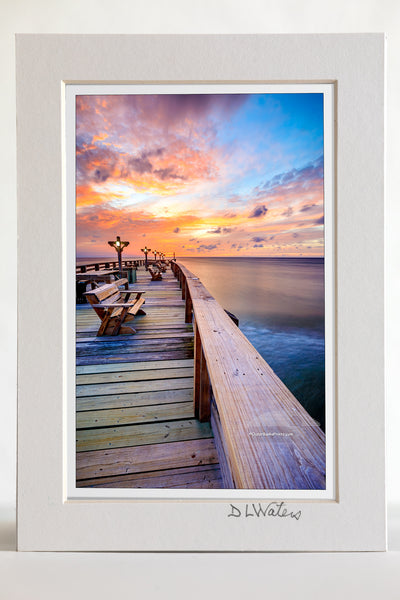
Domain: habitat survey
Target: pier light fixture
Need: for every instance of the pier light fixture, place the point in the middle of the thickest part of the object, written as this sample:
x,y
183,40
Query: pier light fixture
x,y
119,246
146,250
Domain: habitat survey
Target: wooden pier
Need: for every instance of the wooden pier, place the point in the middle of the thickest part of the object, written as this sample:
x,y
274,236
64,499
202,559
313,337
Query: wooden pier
x,y
187,402
134,397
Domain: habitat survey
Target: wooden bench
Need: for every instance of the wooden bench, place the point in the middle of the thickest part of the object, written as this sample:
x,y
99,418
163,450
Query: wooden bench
x,y
155,275
114,308
122,281
118,282
161,267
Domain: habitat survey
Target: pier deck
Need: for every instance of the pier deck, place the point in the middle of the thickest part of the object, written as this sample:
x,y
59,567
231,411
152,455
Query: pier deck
x,y
135,415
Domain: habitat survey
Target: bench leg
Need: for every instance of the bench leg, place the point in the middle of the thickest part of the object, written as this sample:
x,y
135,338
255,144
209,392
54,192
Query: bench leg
x,y
119,320
104,323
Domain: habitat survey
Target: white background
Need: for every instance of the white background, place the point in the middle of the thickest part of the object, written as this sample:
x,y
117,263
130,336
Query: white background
x,y
199,16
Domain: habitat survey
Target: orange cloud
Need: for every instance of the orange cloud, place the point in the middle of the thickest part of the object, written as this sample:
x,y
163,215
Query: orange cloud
x,y
99,138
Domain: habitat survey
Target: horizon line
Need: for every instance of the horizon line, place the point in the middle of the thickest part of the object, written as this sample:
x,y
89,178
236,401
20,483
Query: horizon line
x,y
115,259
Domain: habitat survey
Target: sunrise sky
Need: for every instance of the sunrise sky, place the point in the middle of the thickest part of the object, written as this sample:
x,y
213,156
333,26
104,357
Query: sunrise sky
x,y
200,175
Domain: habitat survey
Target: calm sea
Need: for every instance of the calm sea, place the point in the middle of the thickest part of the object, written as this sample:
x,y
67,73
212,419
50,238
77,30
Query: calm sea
x,y
280,306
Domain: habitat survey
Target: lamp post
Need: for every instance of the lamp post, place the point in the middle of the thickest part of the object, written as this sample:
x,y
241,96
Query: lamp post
x,y
119,246
155,255
145,250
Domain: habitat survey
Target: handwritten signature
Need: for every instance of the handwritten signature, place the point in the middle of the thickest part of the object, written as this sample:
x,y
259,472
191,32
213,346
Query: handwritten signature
x,y
273,509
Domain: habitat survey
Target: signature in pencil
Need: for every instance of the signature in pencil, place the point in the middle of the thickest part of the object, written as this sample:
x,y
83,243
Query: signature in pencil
x,y
273,509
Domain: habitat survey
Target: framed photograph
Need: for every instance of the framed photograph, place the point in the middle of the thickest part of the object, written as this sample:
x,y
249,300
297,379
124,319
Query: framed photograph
x,y
201,292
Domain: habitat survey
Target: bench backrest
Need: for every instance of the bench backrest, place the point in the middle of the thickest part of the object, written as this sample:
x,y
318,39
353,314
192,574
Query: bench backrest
x,y
105,293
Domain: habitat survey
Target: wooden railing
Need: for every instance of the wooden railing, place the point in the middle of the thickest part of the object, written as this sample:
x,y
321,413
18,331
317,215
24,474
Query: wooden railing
x,y
264,437
98,266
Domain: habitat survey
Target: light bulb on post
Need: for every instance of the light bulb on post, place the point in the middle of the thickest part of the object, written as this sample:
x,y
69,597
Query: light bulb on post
x,y
119,246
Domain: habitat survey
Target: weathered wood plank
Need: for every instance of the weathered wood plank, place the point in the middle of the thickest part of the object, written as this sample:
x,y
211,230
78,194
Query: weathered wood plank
x,y
141,335
110,346
179,354
140,435
130,416
130,387
134,375
122,461
116,367
87,332
130,400
140,347
202,476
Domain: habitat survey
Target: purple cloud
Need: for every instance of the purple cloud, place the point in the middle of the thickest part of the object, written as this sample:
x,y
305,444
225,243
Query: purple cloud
x,y
314,170
167,173
258,211
307,207
140,165
206,247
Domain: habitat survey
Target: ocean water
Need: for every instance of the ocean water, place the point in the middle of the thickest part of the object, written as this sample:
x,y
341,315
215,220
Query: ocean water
x,y
280,306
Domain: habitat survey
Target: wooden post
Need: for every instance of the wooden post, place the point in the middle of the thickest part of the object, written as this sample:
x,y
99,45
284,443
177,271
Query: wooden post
x,y
188,306
202,388
197,365
205,391
183,287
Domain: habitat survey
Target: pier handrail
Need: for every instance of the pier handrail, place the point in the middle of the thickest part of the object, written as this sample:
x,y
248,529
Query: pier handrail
x,y
265,438
107,264
113,264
